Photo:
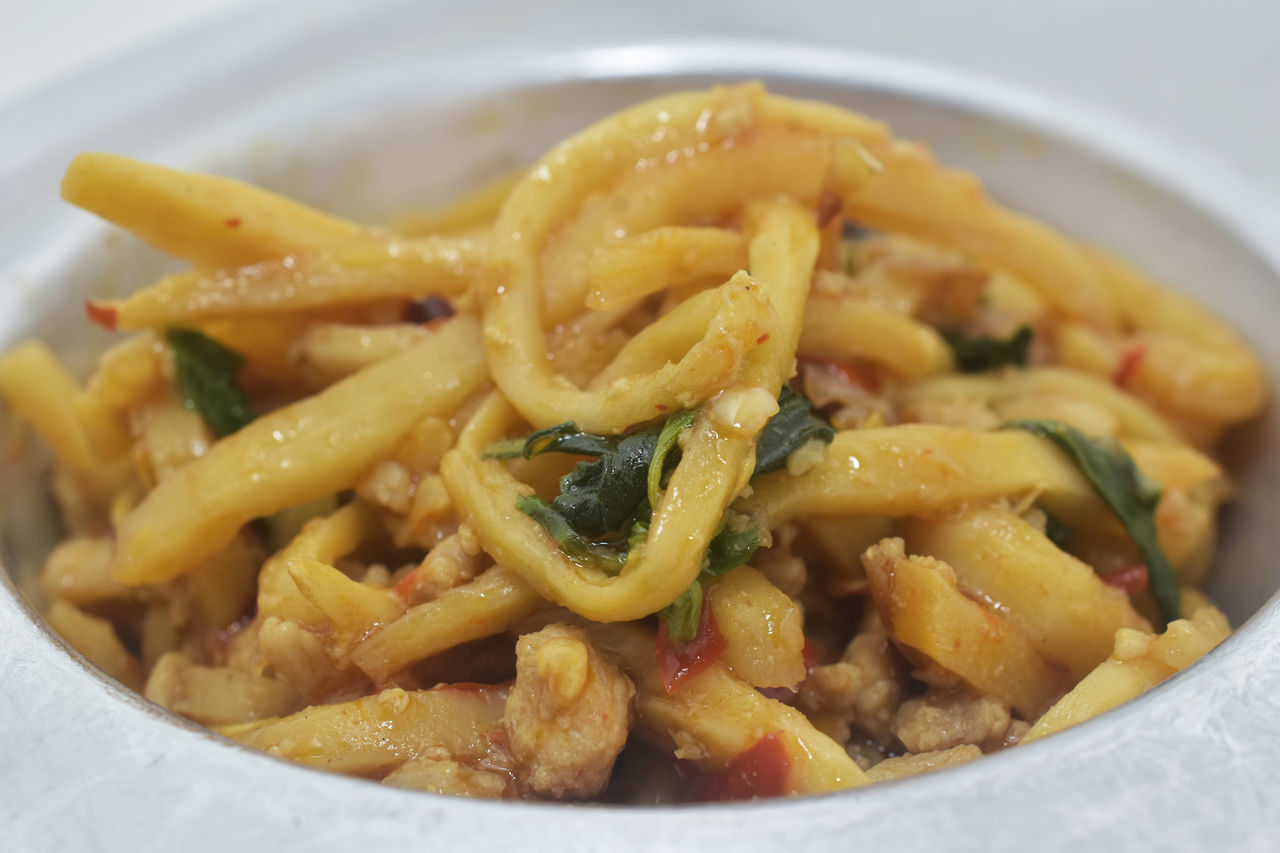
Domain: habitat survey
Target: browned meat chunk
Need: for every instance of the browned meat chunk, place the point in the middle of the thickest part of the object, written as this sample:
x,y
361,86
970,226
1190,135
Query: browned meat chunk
x,y
941,719
566,718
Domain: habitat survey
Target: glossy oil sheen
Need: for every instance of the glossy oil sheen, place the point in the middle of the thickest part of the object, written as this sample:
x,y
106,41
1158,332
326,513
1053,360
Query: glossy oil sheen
x,y
88,762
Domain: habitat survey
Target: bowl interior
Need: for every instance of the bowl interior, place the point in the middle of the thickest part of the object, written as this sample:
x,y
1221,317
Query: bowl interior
x,y
396,149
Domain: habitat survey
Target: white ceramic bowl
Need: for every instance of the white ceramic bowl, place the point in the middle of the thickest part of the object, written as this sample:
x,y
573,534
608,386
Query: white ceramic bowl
x,y
1188,766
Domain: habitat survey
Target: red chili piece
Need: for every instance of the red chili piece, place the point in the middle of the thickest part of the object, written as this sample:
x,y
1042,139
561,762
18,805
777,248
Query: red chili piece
x,y
465,686
233,222
846,372
761,770
1128,366
404,586
809,654
830,206
680,662
103,315
1131,578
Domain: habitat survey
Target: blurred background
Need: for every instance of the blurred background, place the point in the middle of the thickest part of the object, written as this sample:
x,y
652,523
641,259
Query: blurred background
x,y
1205,74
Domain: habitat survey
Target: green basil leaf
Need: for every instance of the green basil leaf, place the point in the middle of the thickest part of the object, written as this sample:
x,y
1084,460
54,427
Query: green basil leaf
x,y
602,496
575,546
793,425
985,352
1130,494
561,438
566,438
617,490
730,549
671,430
205,371
512,448
681,616
639,532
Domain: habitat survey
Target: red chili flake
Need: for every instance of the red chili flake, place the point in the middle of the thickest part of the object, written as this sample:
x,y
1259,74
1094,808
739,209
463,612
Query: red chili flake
x,y
693,658
233,222
1132,578
464,686
810,655
848,373
404,586
761,770
661,407
762,338
1128,366
103,315
830,205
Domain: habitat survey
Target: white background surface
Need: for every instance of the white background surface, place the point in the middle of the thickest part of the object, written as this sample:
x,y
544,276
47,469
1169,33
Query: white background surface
x,y
1205,73
42,43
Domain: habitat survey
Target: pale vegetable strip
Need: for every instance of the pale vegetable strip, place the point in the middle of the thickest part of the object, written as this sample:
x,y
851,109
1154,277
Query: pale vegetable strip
x,y
128,371
679,340
353,608
924,610
1135,418
850,329
40,390
917,196
379,732
326,540
169,436
681,380
94,638
880,472
1059,603
351,275
78,571
725,716
327,352
480,608
1140,661
763,629
913,194
1192,363
212,222
660,259
296,454
746,164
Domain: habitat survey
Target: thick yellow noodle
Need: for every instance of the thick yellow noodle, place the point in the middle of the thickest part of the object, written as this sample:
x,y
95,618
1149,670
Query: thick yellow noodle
x,y
326,582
